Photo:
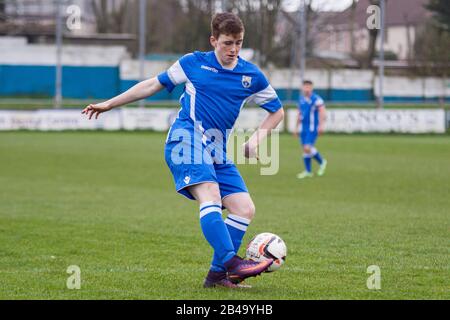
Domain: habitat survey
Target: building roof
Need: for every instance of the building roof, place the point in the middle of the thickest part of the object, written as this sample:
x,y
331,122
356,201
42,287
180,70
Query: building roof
x,y
398,12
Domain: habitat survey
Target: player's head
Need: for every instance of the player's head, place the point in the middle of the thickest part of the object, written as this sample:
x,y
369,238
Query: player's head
x,y
307,88
227,34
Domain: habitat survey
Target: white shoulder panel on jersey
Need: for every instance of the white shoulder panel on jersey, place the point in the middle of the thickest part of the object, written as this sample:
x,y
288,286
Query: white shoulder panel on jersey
x,y
177,74
319,102
264,96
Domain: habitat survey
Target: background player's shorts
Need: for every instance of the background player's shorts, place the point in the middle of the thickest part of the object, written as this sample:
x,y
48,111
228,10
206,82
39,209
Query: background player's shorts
x,y
226,175
308,137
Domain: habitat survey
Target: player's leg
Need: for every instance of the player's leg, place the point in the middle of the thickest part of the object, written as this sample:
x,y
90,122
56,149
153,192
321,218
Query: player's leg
x,y
237,201
305,145
307,148
322,163
318,157
208,196
235,198
216,233
241,211
307,173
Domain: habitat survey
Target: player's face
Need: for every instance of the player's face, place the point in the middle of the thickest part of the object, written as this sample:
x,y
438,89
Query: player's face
x,y
227,47
307,90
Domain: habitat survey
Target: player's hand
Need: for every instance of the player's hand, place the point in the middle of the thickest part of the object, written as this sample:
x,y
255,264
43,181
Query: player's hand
x,y
96,109
295,134
250,151
321,130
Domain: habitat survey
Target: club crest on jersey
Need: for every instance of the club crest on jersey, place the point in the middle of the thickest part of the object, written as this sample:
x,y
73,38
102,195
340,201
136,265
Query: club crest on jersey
x,y
246,81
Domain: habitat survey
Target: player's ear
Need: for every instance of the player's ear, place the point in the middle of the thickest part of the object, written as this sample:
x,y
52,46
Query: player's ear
x,y
213,41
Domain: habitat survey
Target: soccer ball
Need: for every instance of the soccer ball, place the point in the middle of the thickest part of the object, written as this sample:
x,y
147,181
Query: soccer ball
x,y
267,246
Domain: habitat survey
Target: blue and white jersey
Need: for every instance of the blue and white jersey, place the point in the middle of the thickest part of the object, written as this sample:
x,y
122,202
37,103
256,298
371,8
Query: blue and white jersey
x,y
214,96
309,112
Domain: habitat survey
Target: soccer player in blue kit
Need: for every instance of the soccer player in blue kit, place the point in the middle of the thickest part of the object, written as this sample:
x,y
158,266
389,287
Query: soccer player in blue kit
x,y
311,114
217,85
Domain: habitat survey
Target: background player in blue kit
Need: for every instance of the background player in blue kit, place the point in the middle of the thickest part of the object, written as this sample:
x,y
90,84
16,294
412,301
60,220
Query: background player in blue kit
x,y
217,85
311,115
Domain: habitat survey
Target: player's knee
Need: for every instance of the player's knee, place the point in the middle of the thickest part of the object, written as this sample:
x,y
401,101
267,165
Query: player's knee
x,y
246,210
307,149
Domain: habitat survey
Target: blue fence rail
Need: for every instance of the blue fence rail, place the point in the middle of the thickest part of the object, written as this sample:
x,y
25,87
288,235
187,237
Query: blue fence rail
x,y
94,82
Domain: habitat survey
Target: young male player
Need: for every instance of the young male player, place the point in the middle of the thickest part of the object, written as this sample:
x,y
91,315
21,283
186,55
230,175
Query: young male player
x,y
311,114
217,85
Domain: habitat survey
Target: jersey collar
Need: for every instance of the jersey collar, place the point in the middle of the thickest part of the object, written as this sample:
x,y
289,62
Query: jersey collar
x,y
215,63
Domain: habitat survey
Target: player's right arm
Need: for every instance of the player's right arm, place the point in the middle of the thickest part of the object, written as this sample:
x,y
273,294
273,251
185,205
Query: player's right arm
x,y
139,91
322,118
322,115
297,124
174,76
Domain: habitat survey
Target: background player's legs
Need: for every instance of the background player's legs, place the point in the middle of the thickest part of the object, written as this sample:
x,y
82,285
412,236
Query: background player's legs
x,y
240,213
213,227
316,155
322,162
307,161
307,157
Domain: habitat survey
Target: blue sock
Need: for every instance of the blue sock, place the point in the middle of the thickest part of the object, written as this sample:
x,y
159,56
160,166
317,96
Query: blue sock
x,y
307,161
237,226
215,231
317,156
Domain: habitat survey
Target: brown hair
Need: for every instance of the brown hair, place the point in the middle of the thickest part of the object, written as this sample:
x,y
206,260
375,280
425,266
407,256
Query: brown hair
x,y
226,23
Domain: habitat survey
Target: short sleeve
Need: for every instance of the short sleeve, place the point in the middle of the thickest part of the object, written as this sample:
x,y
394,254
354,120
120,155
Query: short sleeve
x,y
177,73
319,102
265,95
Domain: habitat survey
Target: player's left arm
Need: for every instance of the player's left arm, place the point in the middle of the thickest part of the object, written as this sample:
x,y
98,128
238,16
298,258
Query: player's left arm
x,y
266,97
322,118
271,121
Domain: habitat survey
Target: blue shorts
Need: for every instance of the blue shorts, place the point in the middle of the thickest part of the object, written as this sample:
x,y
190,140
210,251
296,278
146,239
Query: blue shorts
x,y
308,137
226,175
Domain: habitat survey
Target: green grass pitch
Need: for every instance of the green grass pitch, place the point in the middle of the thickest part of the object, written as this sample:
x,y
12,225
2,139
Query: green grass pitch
x,y
105,202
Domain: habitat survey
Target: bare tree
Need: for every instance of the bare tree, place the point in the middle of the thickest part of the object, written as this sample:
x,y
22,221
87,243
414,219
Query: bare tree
x,y
441,13
260,19
432,50
432,53
101,15
2,11
110,15
193,29
181,26
119,15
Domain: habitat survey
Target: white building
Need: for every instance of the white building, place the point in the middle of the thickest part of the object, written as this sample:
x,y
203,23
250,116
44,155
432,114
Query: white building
x,y
403,18
41,13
